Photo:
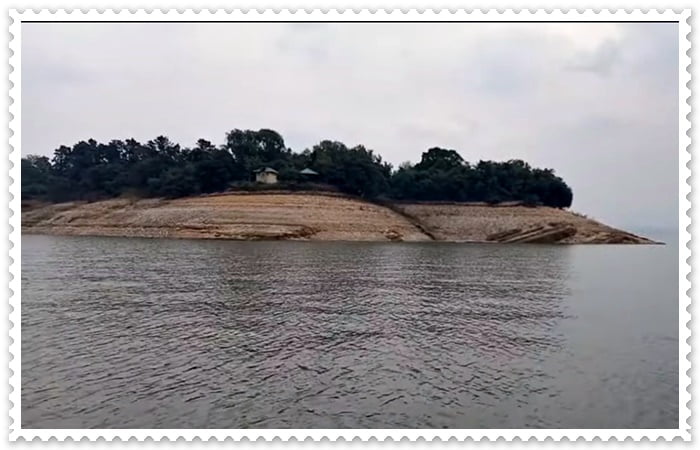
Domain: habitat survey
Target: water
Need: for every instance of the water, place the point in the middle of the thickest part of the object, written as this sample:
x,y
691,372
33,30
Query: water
x,y
124,333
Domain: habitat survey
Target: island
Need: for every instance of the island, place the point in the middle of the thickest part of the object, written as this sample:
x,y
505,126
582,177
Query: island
x,y
254,188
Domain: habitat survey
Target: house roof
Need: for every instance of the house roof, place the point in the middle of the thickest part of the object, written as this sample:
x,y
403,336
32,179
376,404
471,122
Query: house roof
x,y
308,171
266,170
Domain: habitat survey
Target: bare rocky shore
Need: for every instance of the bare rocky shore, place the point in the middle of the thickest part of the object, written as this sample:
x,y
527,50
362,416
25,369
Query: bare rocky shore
x,y
515,224
317,216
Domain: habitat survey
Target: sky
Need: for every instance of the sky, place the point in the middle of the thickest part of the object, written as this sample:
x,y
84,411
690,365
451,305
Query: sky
x,y
598,103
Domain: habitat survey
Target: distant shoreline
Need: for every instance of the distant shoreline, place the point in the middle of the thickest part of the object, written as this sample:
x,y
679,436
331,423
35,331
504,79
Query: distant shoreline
x,y
319,216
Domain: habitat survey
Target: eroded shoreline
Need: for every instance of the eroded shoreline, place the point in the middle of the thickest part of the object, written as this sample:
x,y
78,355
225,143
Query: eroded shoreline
x,y
318,217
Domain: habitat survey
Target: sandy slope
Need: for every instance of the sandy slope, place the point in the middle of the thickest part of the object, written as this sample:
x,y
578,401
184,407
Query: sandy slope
x,y
309,216
229,216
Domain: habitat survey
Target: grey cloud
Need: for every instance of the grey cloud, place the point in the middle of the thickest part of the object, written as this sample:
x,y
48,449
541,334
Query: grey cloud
x,y
601,61
59,74
313,52
491,91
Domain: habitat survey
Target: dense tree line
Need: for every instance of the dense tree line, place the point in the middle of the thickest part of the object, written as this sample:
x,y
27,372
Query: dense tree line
x,y
444,175
90,170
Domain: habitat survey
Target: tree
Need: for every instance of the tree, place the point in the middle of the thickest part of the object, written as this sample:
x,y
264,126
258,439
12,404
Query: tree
x,y
160,167
175,182
443,175
440,159
355,171
36,174
212,168
254,149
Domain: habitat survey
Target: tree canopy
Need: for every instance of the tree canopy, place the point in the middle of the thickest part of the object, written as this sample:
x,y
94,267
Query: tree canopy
x,y
160,168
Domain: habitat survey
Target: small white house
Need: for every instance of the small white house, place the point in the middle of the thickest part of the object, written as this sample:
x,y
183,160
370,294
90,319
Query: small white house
x,y
267,175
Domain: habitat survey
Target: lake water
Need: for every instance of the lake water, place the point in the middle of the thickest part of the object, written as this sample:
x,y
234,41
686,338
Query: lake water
x,y
124,333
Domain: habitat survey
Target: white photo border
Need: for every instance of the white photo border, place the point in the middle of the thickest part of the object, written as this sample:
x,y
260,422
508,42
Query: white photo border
x,y
364,15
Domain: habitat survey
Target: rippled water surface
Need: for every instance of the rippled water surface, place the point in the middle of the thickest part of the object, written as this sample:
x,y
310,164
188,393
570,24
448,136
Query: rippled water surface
x,y
122,333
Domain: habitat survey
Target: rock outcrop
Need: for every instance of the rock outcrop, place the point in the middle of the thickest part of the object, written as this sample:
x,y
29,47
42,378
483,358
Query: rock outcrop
x,y
513,224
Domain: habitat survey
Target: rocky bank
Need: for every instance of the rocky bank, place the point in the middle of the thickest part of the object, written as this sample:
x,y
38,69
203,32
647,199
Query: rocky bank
x,y
317,216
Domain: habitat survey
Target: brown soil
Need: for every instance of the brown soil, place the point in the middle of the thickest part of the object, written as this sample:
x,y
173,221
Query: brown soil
x,y
227,216
315,216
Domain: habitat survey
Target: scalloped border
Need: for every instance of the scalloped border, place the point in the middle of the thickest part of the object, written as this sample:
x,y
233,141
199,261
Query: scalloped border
x,y
16,17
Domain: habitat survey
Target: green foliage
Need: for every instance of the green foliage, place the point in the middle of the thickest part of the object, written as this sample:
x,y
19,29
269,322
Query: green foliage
x,y
440,159
91,170
36,174
442,175
355,171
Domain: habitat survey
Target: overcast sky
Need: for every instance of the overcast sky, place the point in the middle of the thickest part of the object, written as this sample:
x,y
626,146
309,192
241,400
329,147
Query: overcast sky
x,y
596,102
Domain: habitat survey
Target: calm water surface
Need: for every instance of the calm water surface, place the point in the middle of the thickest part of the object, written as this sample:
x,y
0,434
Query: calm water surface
x,y
123,333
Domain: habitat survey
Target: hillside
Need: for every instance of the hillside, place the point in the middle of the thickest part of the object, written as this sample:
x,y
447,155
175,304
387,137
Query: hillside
x,y
228,216
512,224
315,216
